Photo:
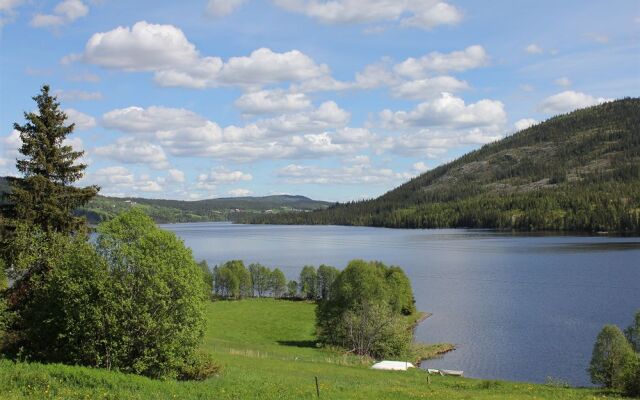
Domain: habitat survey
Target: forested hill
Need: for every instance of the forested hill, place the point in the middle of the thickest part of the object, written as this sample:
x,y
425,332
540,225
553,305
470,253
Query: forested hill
x,y
576,172
167,211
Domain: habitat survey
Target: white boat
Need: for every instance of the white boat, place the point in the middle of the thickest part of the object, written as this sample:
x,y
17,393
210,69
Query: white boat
x,y
443,372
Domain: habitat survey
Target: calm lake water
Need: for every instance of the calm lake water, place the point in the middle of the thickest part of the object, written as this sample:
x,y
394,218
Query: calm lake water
x,y
519,307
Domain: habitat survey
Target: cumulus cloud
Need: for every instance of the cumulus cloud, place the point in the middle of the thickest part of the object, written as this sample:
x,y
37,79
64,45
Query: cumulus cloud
x,y
221,176
462,60
8,10
77,95
448,111
564,81
533,49
420,167
424,14
64,13
428,88
83,121
272,101
221,8
132,151
166,51
175,175
568,101
524,123
359,171
239,192
151,119
433,127
119,181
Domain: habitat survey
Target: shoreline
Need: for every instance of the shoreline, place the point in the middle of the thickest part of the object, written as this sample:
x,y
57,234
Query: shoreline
x,y
424,351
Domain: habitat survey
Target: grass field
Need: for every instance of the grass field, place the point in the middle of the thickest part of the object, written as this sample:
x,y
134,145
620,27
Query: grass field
x,y
267,351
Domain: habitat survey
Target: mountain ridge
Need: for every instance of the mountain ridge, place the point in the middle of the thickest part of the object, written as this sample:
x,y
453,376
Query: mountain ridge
x,y
578,171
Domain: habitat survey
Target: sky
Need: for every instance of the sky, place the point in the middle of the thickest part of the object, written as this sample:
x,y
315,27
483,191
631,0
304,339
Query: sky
x,y
336,100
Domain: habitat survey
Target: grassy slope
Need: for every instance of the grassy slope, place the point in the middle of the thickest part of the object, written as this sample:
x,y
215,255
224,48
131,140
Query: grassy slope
x,y
266,350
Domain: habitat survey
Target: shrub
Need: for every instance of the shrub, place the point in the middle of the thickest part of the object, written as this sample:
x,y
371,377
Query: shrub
x,y
198,367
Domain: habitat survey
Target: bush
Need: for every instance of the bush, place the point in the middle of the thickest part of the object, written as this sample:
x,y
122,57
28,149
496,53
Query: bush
x,y
198,367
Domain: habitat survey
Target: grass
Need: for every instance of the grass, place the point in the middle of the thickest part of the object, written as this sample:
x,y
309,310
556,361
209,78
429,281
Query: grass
x,y
267,351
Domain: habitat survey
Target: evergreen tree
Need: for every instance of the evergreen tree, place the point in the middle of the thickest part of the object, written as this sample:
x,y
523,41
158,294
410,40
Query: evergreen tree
x,y
44,196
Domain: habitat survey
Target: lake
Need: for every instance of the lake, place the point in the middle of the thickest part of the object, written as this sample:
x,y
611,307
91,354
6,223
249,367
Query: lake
x,y
519,307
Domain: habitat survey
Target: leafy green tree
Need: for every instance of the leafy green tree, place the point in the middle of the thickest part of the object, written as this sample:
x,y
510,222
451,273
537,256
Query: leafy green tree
x,y
308,282
208,276
326,276
159,295
68,316
44,195
368,296
278,283
633,333
373,329
260,279
292,289
611,356
233,280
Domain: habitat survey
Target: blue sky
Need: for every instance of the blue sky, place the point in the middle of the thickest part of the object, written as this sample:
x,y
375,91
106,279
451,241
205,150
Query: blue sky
x,y
335,100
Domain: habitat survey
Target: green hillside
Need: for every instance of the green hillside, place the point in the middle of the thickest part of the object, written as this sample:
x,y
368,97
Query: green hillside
x,y
266,350
575,172
168,211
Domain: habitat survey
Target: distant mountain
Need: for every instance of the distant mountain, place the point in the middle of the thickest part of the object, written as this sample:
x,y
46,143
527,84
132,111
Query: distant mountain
x,y
168,211
576,172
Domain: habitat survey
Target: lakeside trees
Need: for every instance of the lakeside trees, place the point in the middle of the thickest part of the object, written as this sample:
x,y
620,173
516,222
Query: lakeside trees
x,y
615,362
131,300
365,313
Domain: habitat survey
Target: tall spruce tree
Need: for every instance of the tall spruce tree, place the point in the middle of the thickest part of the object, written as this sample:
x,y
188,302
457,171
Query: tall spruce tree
x,y
44,196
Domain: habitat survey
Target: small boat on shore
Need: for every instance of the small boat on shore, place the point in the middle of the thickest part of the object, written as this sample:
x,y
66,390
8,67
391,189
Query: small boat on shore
x,y
443,372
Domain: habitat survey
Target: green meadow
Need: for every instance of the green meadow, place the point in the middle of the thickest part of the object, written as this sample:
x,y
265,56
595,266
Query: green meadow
x,y
267,351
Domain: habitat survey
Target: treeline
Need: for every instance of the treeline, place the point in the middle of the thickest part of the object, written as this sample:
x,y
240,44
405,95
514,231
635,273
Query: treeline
x,y
574,172
233,280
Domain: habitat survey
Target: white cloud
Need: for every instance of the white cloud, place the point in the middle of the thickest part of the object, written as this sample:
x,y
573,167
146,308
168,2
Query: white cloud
x,y
436,126
175,175
524,123
221,176
151,119
77,95
358,172
221,8
84,77
328,115
8,10
568,101
133,151
239,192
429,87
119,181
420,167
533,49
272,101
83,121
469,58
448,111
64,13
424,14
564,81
166,51
527,88
11,143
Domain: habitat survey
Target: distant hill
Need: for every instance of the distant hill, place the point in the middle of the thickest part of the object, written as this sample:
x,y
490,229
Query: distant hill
x,y
168,211
575,172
